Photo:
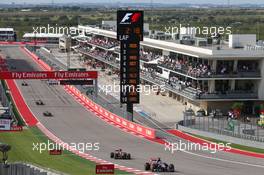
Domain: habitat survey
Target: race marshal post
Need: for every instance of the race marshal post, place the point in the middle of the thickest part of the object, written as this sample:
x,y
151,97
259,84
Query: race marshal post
x,y
129,33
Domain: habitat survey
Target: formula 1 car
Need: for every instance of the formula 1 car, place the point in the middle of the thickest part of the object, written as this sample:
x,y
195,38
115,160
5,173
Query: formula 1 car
x,y
119,154
156,165
47,114
24,83
39,102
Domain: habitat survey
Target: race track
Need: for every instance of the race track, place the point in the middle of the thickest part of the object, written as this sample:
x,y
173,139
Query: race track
x,y
73,123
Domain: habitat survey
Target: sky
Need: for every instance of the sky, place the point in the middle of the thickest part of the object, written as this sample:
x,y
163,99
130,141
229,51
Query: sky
x,y
137,1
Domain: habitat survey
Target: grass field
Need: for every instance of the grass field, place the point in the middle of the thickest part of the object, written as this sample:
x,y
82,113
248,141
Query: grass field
x,y
241,147
22,150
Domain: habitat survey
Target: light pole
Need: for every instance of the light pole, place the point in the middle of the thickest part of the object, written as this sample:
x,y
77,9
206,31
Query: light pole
x,y
68,50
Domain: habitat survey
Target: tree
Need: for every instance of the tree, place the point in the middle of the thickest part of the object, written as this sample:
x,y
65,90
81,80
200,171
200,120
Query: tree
x,y
4,148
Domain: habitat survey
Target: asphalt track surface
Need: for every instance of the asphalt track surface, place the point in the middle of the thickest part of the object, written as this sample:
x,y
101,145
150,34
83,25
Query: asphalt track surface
x,y
72,123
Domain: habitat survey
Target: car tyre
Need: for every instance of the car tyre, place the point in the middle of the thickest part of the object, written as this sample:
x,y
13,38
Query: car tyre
x,y
147,166
112,155
128,156
171,168
124,155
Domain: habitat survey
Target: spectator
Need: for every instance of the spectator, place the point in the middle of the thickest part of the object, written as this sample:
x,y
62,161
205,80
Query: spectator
x,y
193,69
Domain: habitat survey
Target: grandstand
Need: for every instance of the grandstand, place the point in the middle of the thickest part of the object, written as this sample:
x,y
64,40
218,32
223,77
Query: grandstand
x,y
201,76
7,34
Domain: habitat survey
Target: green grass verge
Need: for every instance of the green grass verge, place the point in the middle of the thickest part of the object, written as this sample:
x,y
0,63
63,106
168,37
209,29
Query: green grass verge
x,y
15,111
22,150
237,146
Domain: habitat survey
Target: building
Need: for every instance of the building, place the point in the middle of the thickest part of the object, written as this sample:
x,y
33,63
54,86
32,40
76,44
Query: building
x,y
42,37
65,43
203,76
160,35
7,34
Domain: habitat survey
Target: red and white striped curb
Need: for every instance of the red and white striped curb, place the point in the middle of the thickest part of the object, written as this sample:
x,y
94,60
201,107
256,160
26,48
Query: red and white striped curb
x,y
121,122
82,102
86,156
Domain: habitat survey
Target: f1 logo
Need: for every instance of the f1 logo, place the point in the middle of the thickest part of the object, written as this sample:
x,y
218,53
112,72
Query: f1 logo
x,y
130,18
130,25
126,17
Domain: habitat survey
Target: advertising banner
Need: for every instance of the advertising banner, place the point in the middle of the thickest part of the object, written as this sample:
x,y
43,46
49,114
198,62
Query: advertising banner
x,y
49,75
5,124
105,169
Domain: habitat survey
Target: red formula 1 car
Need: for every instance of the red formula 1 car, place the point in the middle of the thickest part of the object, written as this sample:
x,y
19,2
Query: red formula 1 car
x,y
156,165
119,154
